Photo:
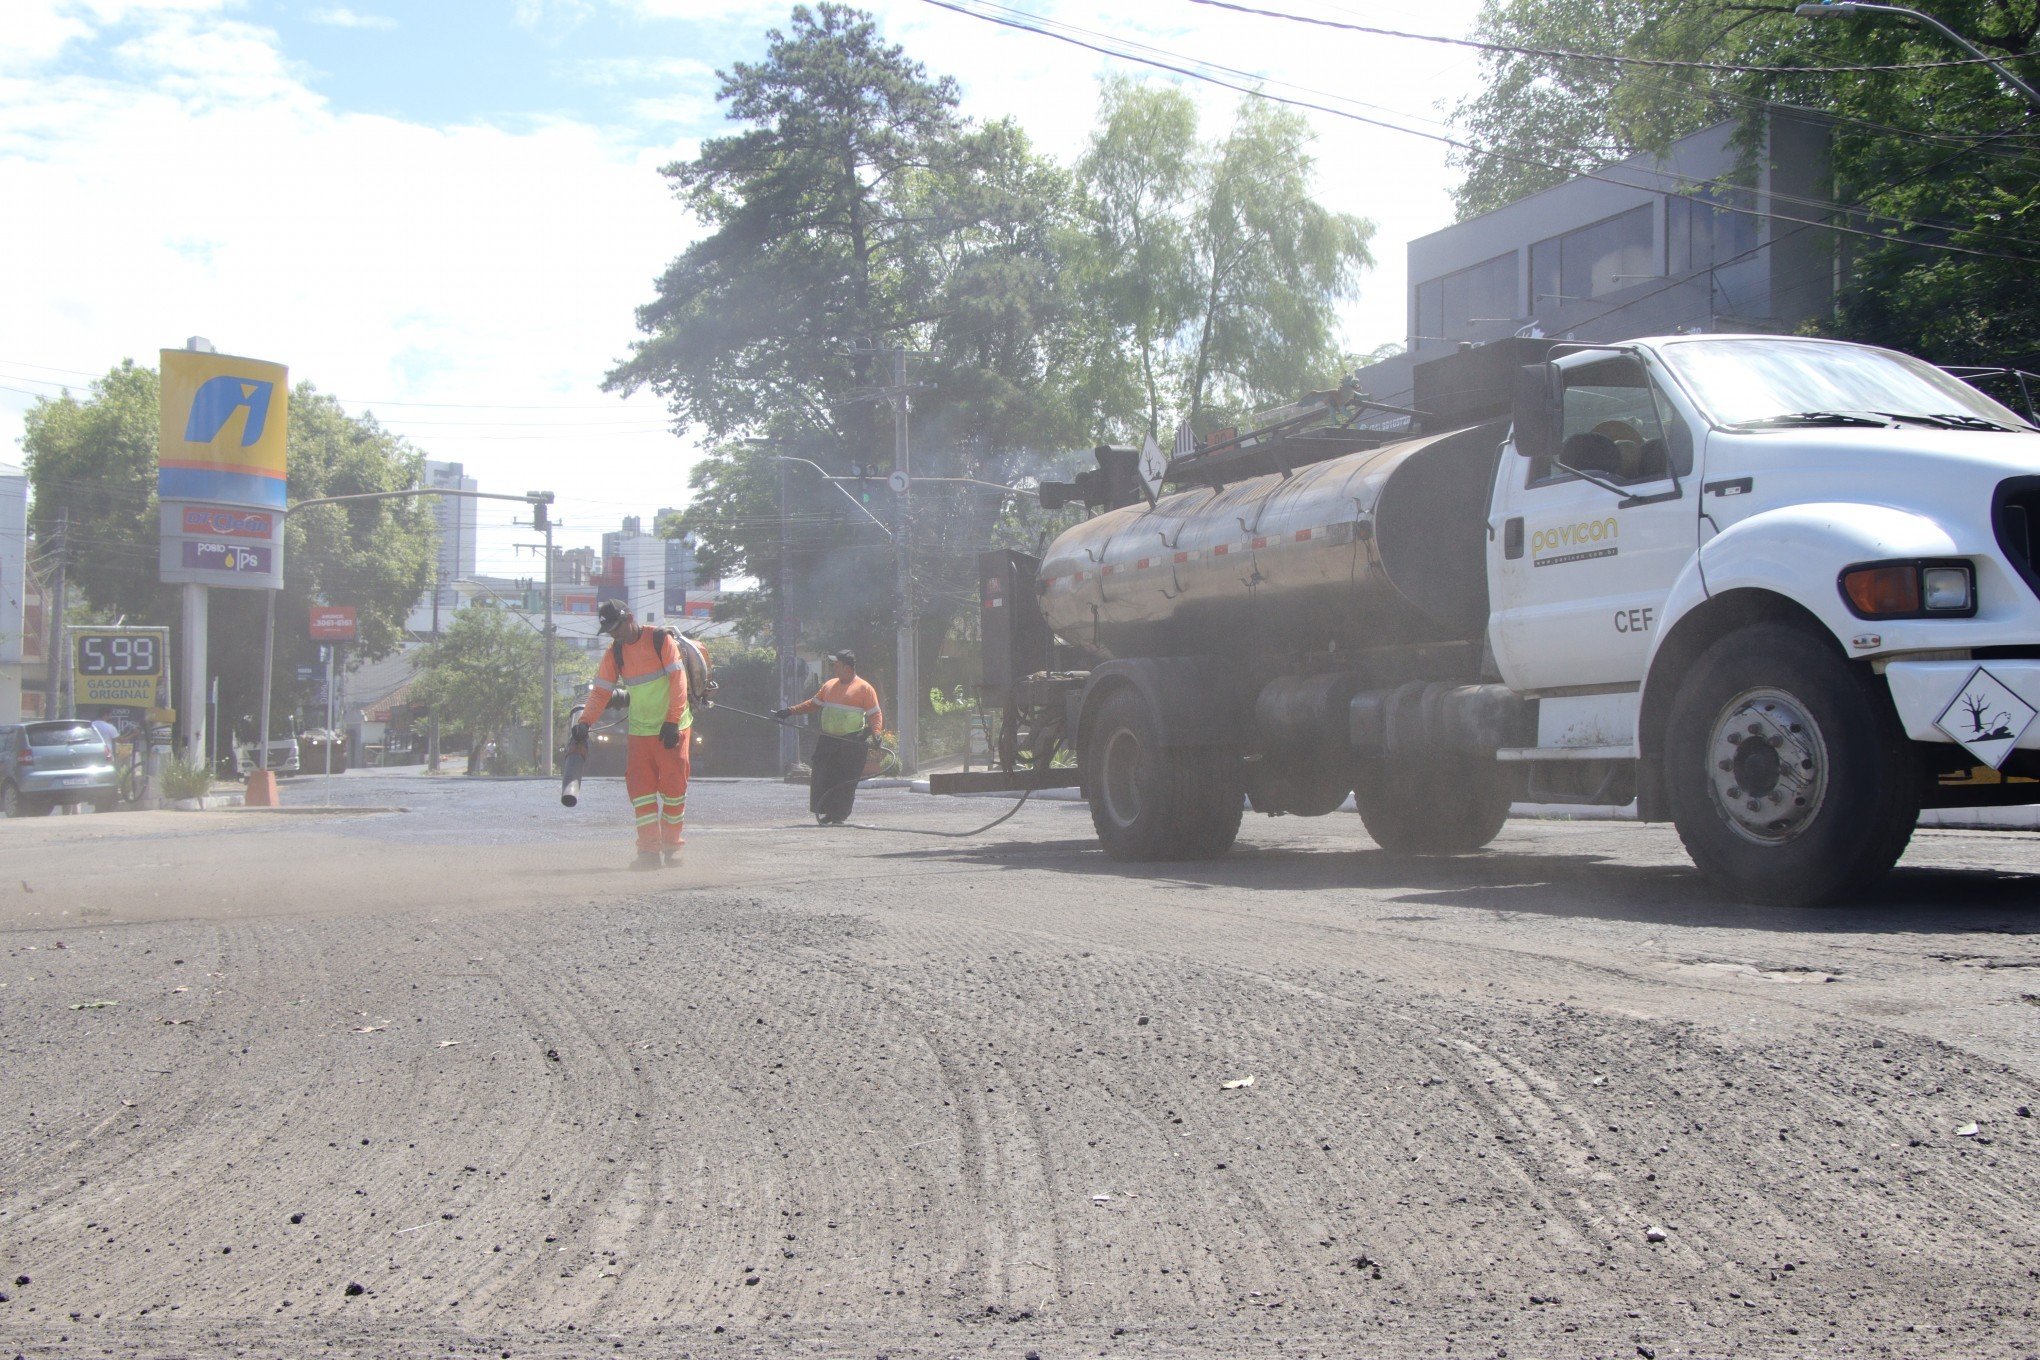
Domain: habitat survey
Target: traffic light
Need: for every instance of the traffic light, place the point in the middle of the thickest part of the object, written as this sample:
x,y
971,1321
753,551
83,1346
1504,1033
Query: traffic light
x,y
863,473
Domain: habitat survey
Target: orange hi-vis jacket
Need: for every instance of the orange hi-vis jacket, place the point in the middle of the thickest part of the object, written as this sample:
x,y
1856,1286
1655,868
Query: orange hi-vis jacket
x,y
650,665
847,707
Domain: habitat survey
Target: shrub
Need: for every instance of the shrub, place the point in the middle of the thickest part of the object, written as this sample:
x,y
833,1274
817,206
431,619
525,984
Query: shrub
x,y
182,779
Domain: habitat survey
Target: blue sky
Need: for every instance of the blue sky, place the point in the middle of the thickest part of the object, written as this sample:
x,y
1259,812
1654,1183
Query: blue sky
x,y
446,211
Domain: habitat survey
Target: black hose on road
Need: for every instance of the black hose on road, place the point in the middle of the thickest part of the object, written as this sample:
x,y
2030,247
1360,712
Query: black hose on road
x,y
895,830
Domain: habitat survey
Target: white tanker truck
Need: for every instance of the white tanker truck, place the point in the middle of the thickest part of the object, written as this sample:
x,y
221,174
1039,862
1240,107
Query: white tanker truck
x,y
1781,592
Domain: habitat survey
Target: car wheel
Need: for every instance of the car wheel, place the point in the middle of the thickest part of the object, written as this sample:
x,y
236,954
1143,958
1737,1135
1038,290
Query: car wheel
x,y
1790,780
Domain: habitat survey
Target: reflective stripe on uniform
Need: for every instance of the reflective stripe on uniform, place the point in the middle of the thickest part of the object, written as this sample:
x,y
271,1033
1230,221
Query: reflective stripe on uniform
x,y
843,720
600,683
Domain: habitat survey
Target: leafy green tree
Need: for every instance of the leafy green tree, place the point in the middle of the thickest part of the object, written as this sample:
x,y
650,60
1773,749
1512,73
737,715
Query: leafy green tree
x,y
483,675
857,212
1925,154
1218,274
94,459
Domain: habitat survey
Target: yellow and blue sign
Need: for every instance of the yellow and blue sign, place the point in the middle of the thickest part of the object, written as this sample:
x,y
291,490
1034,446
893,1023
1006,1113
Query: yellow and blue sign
x,y
225,430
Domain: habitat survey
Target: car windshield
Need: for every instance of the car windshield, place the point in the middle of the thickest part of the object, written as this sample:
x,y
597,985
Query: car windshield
x,y
1786,382
60,733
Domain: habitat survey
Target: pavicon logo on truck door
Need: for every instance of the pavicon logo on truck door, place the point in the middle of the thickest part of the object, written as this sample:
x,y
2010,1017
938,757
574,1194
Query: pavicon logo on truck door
x,y
1578,536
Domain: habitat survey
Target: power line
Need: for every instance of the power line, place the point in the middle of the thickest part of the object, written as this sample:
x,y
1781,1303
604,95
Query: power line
x,y
1609,58
1468,147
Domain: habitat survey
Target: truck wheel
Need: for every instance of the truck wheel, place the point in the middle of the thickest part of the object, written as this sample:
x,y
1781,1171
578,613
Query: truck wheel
x,y
1151,802
1443,806
1789,778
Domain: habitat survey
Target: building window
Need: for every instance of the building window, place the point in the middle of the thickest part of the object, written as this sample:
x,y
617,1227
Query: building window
x,y
1454,306
1595,260
1701,231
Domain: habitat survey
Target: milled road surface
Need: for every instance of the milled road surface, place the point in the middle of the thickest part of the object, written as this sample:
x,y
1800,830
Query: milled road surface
x,y
449,1081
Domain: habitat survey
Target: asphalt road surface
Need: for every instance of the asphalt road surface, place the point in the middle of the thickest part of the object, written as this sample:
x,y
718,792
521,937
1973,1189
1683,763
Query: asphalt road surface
x,y
451,1081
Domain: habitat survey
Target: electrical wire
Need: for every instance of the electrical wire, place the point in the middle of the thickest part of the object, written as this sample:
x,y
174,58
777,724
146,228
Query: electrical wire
x,y
1469,148
1609,58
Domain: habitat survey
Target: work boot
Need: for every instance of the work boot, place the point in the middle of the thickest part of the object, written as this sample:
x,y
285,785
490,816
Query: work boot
x,y
673,855
647,859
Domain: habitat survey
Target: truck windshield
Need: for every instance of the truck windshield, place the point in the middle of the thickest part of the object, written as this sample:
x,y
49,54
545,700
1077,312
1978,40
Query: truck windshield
x,y
1783,382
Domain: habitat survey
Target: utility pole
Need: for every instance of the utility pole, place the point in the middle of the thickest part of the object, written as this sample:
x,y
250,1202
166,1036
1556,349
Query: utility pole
x,y
53,702
782,632
541,518
907,702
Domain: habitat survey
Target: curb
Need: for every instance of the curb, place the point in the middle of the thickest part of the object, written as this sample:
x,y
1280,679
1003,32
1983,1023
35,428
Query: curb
x,y
212,802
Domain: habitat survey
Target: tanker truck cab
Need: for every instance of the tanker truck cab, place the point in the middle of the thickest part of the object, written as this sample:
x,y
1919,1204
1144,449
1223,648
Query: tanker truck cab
x,y
1817,616
1592,522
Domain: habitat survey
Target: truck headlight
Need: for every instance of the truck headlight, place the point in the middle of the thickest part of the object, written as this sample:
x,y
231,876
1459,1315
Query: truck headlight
x,y
1946,590
1910,590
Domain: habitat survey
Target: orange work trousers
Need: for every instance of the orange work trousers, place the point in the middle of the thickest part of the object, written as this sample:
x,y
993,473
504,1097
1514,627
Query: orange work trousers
x,y
656,779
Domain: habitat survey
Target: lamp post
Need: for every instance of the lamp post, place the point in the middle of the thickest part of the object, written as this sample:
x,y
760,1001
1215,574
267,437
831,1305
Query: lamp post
x,y
269,607
1829,8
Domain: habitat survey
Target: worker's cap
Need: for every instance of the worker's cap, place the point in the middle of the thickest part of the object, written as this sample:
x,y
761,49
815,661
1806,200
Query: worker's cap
x,y
845,657
611,615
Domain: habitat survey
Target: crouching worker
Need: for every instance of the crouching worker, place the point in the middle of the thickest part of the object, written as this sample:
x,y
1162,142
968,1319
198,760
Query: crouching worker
x,y
851,722
646,662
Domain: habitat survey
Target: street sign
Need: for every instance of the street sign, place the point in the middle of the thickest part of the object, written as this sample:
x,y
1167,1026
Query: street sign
x,y
898,482
307,673
333,622
120,667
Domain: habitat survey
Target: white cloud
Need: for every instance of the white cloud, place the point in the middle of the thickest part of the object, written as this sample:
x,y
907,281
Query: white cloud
x,y
477,271
386,261
339,16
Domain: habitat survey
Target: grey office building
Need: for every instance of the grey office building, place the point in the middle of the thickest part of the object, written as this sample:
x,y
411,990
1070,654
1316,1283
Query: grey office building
x,y
1705,238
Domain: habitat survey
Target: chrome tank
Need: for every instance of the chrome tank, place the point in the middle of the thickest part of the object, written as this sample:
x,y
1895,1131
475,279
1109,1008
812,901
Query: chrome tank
x,y
1375,548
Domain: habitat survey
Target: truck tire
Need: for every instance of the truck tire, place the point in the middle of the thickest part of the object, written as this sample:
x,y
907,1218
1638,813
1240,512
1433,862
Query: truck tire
x,y
1151,802
1789,777
1442,806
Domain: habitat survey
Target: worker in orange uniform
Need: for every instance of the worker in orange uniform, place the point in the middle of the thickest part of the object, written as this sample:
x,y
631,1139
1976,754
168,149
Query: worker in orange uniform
x,y
645,662
851,725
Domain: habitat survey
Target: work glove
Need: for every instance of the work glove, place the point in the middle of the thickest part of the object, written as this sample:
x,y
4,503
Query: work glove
x,y
782,713
873,738
669,735
579,734
708,699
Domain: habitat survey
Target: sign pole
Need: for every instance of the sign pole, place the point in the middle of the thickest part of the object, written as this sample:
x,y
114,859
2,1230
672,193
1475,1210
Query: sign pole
x,y
332,653
268,665
195,725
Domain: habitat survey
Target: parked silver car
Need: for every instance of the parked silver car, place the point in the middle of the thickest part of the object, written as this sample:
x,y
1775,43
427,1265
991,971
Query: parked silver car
x,y
55,763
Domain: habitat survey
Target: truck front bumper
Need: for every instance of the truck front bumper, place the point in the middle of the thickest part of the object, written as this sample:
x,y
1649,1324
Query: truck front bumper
x,y
1930,698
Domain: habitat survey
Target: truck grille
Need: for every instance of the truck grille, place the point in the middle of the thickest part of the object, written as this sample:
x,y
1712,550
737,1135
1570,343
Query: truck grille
x,y
2018,525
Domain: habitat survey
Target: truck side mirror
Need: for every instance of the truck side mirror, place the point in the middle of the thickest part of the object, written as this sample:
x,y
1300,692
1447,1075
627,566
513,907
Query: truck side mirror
x,y
1538,410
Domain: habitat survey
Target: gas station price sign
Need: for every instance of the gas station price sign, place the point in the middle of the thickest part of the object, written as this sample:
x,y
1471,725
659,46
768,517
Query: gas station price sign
x,y
121,667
